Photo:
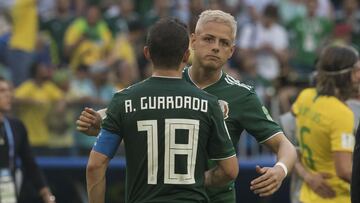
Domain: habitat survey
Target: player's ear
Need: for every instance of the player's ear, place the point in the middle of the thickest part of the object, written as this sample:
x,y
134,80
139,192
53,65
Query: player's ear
x,y
192,40
186,56
232,49
147,53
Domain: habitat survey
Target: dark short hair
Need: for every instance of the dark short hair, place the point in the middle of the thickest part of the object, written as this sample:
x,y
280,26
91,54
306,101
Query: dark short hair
x,y
168,40
3,79
334,69
271,11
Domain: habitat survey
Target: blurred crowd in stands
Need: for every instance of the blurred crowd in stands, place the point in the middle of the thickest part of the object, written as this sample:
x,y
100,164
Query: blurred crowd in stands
x,y
64,55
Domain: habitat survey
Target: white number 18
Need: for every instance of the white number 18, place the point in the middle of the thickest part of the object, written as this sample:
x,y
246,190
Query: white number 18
x,y
171,149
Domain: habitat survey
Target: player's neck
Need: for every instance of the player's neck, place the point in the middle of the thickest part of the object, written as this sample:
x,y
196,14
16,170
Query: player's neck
x,y
167,73
203,77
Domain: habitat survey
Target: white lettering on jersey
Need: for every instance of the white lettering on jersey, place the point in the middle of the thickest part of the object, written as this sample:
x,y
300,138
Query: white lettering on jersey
x,y
128,106
143,104
169,102
196,104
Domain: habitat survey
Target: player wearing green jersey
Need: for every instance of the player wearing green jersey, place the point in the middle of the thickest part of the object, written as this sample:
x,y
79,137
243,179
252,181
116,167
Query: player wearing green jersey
x,y
212,45
170,129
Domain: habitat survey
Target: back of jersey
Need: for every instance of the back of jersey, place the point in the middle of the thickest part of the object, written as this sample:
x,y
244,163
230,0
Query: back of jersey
x,y
168,127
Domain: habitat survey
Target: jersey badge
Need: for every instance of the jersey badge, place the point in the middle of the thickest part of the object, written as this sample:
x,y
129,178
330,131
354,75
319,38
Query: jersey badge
x,y
224,108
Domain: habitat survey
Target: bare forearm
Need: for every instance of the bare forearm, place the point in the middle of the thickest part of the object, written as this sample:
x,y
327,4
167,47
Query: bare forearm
x,y
95,177
345,175
96,186
285,151
287,154
343,165
46,195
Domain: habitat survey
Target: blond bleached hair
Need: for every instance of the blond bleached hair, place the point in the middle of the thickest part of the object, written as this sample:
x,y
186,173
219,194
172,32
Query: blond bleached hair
x,y
219,17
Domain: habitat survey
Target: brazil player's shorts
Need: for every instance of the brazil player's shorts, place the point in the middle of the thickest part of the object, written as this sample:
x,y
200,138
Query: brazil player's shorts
x,y
225,195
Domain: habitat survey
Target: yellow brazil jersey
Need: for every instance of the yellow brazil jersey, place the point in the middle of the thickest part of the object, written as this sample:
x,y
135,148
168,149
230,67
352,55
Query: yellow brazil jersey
x,y
97,43
34,115
124,50
324,125
25,25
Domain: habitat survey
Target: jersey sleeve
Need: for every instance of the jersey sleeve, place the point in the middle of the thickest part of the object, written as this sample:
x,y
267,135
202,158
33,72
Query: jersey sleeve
x,y
54,92
219,145
295,107
255,118
73,33
112,120
342,137
23,91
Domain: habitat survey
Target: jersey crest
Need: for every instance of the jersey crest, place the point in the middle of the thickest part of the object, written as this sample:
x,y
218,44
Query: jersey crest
x,y
224,108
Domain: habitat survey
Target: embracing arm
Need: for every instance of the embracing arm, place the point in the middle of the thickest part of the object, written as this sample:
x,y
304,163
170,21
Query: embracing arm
x,y
316,181
284,150
271,177
225,171
104,149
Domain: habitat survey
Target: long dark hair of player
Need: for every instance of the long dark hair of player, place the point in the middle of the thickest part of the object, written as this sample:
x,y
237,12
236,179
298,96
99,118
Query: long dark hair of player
x,y
334,71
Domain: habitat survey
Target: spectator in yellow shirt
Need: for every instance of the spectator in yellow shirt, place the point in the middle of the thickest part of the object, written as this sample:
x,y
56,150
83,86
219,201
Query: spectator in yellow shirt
x,y
88,39
35,97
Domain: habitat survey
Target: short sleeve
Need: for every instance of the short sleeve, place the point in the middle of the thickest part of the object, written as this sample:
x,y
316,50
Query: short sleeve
x,y
342,137
54,92
73,33
295,107
105,34
255,118
112,120
23,91
219,145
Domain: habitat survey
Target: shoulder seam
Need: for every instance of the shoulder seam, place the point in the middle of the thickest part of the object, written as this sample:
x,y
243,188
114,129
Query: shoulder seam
x,y
232,81
216,159
277,133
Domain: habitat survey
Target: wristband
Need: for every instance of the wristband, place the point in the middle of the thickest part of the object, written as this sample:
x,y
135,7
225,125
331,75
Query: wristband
x,y
52,198
282,165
